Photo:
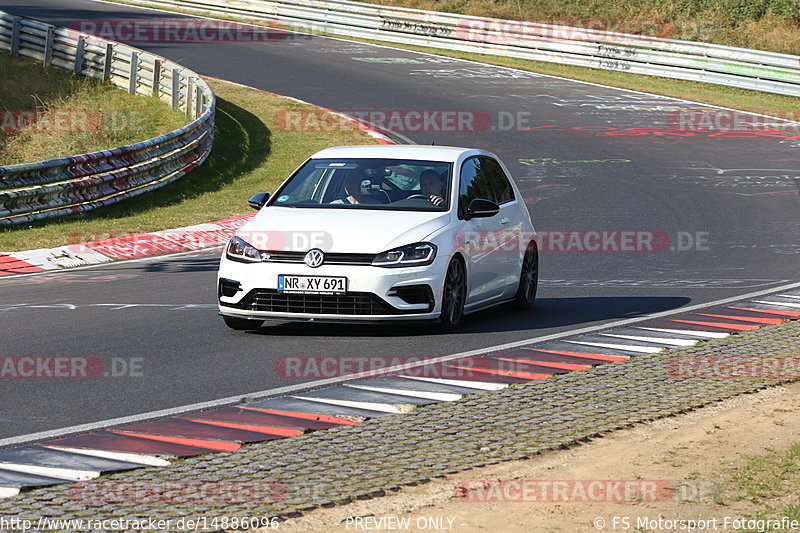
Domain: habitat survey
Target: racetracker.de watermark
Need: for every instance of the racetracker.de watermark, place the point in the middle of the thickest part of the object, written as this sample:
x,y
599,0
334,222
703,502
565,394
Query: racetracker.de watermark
x,y
181,30
69,367
50,120
102,492
395,120
593,241
573,29
320,367
584,491
765,366
120,245
732,120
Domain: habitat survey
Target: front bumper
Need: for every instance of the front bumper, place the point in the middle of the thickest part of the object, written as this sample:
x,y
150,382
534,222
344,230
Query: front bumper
x,y
373,293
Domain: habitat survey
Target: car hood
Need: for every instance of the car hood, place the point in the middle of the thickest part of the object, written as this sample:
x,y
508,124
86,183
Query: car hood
x,y
339,230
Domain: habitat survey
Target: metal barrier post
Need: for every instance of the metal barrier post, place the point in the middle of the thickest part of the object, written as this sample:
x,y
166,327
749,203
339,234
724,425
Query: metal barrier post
x,y
157,77
108,59
134,73
48,47
176,88
79,52
15,30
198,102
189,95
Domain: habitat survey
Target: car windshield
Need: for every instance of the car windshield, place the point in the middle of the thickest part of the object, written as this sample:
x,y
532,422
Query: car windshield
x,y
386,184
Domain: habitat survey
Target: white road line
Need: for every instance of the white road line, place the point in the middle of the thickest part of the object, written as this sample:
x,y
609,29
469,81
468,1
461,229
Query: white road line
x,y
293,389
630,348
381,407
778,304
425,395
658,340
480,385
67,474
704,334
150,258
136,459
8,492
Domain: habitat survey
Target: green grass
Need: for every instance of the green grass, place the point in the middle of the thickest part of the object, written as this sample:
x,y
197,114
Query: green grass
x,y
99,115
769,482
765,474
250,154
762,24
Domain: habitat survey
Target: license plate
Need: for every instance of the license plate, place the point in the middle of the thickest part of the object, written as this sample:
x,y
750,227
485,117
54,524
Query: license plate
x,y
312,284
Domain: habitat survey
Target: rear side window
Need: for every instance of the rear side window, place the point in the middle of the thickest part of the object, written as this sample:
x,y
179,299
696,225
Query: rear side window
x,y
483,177
498,179
474,184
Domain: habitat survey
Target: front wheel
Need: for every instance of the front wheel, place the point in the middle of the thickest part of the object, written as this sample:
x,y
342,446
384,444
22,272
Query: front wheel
x,y
241,324
454,295
528,279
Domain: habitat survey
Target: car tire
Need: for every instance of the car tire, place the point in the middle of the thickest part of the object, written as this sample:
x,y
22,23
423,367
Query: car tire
x,y
454,295
528,279
241,324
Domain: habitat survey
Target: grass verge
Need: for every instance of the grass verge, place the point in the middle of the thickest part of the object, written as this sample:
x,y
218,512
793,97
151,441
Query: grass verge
x,y
250,155
769,482
71,114
763,24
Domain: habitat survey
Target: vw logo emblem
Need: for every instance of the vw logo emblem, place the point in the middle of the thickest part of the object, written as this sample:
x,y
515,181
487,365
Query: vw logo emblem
x,y
314,258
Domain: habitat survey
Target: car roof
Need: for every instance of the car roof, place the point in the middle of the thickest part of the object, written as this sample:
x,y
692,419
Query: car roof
x,y
396,151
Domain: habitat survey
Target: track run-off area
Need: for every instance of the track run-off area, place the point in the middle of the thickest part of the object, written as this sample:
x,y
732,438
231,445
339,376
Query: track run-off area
x,y
636,219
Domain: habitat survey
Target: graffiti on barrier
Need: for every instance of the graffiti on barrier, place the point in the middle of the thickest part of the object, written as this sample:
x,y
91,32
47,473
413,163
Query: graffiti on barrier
x,y
421,28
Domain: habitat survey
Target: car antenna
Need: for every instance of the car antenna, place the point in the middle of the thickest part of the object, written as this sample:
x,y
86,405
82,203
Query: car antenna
x,y
433,143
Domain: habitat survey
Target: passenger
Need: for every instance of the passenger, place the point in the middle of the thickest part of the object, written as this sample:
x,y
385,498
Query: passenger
x,y
355,194
431,185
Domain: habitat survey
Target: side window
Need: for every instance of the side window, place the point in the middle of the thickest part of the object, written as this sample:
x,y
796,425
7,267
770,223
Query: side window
x,y
474,184
498,179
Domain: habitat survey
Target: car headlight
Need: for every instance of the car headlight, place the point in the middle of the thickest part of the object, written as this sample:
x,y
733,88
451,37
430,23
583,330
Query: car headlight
x,y
240,250
419,254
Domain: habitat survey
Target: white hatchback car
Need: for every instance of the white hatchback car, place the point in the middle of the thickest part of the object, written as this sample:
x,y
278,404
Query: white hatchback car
x,y
382,233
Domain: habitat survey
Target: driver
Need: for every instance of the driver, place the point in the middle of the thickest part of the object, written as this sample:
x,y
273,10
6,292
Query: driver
x,y
431,185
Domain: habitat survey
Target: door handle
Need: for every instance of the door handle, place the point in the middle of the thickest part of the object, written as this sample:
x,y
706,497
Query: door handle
x,y
504,220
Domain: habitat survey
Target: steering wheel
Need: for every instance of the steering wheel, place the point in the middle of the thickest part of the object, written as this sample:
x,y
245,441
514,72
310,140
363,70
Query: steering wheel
x,y
424,197
386,195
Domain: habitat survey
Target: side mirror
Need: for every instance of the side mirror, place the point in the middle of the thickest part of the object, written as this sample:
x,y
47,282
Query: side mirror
x,y
257,201
480,208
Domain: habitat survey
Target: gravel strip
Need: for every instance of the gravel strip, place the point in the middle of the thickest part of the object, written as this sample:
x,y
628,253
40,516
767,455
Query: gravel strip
x,y
325,468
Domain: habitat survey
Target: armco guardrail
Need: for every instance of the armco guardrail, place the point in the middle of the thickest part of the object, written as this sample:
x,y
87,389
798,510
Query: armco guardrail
x,y
687,60
79,183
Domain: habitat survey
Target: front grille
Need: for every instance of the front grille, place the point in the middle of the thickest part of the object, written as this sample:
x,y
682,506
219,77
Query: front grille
x,y
356,303
330,258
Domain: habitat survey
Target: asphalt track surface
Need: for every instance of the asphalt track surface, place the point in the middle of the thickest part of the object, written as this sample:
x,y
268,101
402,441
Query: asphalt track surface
x,y
737,194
